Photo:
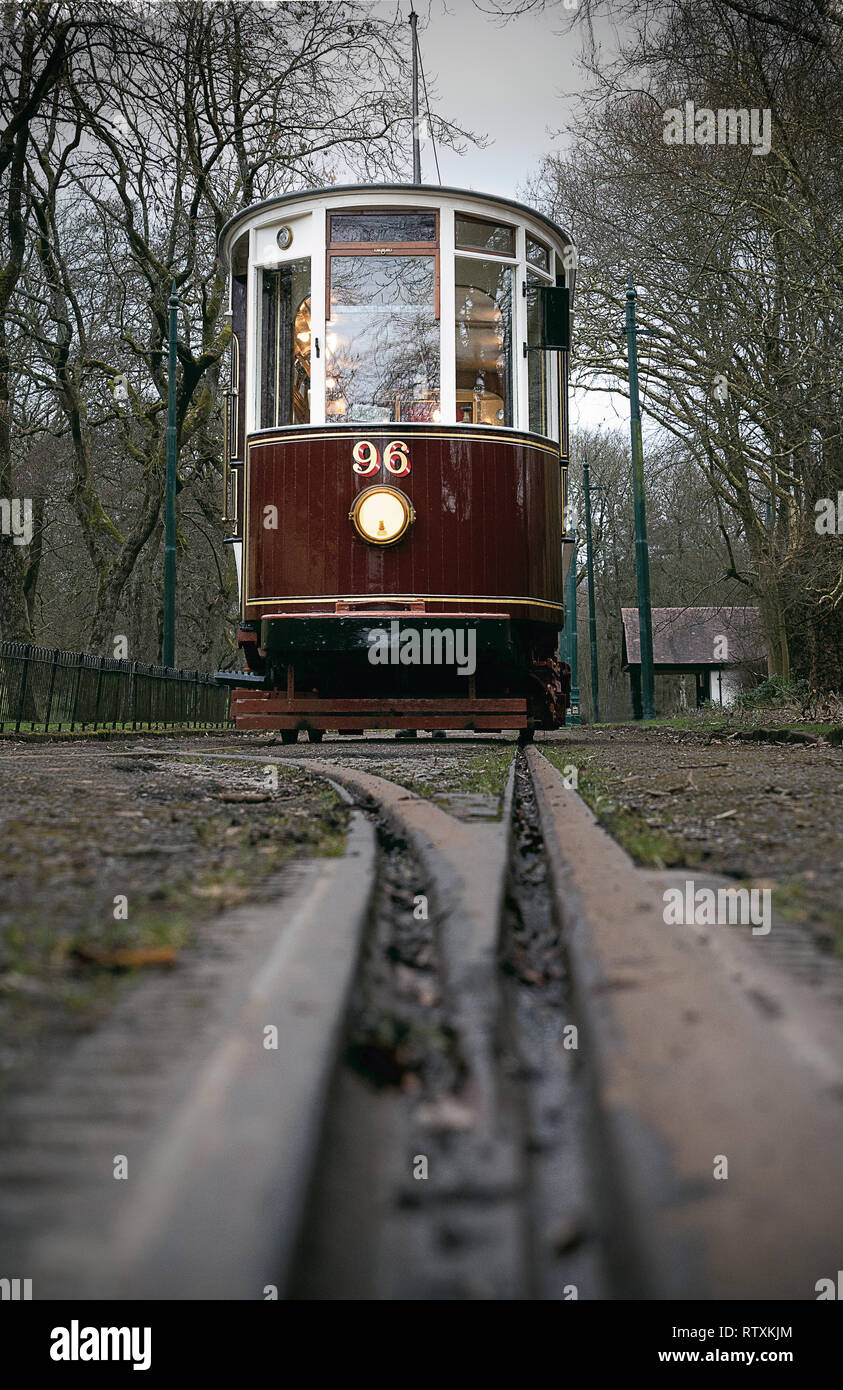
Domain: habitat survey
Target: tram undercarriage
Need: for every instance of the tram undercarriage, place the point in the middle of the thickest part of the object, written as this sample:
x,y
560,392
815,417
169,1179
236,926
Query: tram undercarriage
x,y
435,672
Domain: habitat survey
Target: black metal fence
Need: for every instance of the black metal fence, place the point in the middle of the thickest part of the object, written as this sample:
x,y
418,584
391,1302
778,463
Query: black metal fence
x,y
42,689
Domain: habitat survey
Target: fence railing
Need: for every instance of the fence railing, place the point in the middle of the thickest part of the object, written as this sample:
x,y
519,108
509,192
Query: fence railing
x,y
43,689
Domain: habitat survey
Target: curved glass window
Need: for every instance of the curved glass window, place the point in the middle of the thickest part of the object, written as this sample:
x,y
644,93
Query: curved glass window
x,y
483,341
377,228
538,254
474,233
537,364
382,339
285,345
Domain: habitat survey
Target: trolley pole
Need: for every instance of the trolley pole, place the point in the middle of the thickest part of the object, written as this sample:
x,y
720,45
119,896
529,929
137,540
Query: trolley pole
x,y
642,559
592,615
571,631
414,19
168,644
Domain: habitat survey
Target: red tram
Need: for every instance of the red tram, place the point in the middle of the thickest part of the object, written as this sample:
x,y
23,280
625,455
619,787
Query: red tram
x,y
395,460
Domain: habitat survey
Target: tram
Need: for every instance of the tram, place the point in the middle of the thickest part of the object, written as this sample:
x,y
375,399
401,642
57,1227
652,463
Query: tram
x,y
395,460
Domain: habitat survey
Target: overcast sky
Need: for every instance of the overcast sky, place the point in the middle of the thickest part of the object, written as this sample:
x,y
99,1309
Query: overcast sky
x,y
506,81
512,83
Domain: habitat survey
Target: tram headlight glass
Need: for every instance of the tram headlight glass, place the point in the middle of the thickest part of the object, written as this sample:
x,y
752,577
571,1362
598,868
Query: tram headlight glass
x,y
381,515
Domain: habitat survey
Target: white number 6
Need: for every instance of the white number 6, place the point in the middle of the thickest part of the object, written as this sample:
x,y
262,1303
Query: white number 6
x,y
397,458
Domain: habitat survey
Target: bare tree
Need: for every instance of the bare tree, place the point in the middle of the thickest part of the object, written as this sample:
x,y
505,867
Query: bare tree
x,y
741,259
260,99
36,40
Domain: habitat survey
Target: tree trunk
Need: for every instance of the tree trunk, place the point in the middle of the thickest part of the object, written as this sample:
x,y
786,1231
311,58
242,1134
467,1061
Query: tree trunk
x,y
14,617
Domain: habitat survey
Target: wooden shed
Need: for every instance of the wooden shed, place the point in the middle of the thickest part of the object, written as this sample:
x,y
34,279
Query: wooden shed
x,y
723,648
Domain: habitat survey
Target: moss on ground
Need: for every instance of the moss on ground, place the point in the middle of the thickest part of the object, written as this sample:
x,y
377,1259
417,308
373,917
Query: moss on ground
x,y
648,845
483,774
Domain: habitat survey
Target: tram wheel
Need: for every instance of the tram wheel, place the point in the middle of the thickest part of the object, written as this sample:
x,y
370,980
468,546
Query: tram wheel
x,y
289,735
316,735
525,736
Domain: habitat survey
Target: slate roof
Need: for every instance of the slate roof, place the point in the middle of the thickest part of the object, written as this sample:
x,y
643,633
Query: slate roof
x,y
687,636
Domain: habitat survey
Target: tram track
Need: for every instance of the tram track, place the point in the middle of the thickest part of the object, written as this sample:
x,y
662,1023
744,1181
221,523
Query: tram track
x,y
565,1067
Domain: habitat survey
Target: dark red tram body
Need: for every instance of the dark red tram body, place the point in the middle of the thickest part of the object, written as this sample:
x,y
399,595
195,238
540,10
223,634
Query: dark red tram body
x,y
397,503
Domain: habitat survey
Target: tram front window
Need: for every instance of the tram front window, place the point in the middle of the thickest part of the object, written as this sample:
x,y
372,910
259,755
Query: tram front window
x,y
483,342
382,339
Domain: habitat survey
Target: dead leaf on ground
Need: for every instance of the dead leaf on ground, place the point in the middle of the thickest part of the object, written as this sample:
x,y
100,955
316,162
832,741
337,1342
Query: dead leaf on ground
x,y
128,957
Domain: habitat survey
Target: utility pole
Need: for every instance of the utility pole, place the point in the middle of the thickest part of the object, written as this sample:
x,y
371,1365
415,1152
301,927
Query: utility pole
x,y
414,19
592,615
168,644
571,631
642,558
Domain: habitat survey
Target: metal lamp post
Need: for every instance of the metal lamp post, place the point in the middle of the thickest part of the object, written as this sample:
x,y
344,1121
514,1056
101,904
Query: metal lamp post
x,y
592,614
168,643
571,632
642,559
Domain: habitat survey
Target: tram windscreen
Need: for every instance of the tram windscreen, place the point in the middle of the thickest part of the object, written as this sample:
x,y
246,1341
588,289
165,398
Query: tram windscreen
x,y
483,342
382,339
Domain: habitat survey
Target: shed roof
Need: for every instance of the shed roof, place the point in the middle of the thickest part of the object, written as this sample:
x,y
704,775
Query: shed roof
x,y
688,637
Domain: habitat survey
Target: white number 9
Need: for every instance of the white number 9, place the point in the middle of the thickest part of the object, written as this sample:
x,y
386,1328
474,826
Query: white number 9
x,y
366,457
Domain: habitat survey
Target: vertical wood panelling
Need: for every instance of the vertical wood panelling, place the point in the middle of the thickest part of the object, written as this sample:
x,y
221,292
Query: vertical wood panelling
x,y
487,519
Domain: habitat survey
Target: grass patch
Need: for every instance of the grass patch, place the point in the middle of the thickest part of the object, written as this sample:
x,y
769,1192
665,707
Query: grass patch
x,y
648,845
483,773
793,900
156,836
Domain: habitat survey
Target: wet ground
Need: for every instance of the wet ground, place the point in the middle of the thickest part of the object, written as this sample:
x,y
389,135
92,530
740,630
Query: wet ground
x,y
120,854
112,862
765,812
114,855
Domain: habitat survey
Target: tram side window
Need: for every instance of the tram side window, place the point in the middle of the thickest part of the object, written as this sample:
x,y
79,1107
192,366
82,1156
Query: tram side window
x,y
475,234
537,364
285,345
483,342
382,339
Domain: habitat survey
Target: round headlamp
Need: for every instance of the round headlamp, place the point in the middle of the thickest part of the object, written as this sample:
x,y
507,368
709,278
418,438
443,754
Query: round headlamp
x,y
381,515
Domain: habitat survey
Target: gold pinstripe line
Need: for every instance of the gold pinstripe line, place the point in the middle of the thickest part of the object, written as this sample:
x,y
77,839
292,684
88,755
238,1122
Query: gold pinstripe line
x,y
401,598
335,434
524,442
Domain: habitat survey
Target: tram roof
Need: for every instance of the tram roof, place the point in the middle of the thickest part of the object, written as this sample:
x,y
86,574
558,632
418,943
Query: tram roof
x,y
407,190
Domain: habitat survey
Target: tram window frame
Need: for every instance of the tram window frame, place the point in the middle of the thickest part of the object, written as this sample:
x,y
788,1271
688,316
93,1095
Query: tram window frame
x,y
385,212
384,248
544,269
538,360
467,251
511,371
554,378
470,248
237,383
426,250
273,400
